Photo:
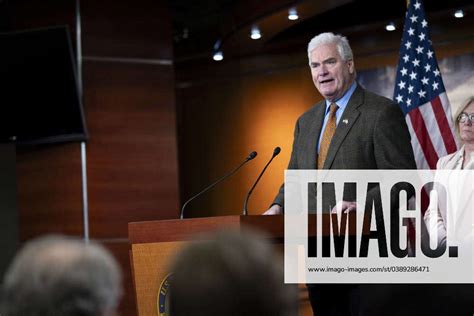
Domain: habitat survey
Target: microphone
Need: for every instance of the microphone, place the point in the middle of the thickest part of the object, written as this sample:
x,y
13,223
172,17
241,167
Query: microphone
x,y
251,156
276,151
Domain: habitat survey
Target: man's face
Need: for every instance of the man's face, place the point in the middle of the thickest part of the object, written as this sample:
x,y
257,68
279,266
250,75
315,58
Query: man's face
x,y
332,76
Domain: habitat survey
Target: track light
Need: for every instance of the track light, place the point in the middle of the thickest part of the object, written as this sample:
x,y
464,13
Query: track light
x,y
390,27
255,33
459,14
293,14
218,56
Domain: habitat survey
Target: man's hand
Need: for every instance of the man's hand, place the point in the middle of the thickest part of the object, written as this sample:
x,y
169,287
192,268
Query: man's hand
x,y
275,209
344,207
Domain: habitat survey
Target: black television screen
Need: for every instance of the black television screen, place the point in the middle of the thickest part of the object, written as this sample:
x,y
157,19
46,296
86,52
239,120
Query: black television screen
x,y
41,99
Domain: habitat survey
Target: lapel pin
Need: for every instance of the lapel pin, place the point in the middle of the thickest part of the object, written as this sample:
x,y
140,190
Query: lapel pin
x,y
345,121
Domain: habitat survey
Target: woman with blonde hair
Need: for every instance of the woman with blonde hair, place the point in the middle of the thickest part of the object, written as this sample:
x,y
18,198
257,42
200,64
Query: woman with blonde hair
x,y
463,158
460,185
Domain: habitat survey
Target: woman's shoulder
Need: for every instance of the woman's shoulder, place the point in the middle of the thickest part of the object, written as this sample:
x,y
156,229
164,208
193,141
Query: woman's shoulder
x,y
448,160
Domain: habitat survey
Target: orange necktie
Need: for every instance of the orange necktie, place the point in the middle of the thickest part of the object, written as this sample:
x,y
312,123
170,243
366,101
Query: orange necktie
x,y
329,131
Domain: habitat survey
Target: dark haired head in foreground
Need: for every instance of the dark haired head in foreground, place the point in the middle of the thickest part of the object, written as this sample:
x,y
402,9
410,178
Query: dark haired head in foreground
x,y
56,275
233,273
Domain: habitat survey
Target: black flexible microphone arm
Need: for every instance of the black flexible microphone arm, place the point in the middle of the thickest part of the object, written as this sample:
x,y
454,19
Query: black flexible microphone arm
x,y
276,151
251,156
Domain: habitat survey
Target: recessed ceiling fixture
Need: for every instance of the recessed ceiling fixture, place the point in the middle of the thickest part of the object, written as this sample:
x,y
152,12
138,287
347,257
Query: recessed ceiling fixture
x,y
293,14
255,33
459,14
218,56
390,27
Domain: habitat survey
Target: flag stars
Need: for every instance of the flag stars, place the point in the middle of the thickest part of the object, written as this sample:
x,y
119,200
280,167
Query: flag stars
x,y
422,93
418,74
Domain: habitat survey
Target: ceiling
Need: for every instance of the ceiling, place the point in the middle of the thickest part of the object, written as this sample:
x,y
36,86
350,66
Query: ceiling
x,y
197,25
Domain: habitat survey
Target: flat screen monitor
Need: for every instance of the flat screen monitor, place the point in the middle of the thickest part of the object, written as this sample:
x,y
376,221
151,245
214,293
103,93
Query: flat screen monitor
x,y
41,99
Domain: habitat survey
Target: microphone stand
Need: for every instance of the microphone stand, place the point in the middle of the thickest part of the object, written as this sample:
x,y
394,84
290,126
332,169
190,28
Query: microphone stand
x,y
251,156
276,151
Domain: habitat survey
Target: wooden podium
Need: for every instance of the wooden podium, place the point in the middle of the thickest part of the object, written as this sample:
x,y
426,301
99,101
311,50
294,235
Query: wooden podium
x,y
154,244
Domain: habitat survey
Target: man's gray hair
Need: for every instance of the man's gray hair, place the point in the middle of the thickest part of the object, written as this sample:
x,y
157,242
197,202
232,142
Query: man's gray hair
x,y
342,43
58,275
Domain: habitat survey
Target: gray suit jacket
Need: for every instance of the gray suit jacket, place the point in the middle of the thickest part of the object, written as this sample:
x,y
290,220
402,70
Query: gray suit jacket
x,y
371,134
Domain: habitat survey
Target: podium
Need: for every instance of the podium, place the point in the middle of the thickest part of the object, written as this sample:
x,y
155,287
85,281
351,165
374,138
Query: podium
x,y
155,243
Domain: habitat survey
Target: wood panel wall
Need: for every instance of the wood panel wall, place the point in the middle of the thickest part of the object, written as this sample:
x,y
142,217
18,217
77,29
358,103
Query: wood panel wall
x,y
129,103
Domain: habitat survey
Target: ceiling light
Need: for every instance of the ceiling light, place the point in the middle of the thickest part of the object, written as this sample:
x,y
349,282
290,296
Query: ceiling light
x,y
390,27
459,14
255,33
218,56
293,14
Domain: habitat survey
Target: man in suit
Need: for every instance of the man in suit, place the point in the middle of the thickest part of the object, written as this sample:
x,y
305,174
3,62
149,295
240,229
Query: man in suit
x,y
350,129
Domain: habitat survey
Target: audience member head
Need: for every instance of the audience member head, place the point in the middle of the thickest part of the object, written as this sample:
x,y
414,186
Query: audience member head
x,y
230,273
58,275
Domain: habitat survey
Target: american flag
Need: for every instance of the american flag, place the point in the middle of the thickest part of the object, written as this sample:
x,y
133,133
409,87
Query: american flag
x,y
420,92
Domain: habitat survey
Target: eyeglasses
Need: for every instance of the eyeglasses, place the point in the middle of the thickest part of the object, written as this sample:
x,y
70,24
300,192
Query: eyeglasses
x,y
463,117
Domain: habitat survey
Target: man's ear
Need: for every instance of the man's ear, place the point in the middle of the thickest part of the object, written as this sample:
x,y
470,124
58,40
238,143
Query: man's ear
x,y
350,64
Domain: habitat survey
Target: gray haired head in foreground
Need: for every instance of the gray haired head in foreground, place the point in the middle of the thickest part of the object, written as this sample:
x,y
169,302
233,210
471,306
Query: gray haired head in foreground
x,y
230,273
58,275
